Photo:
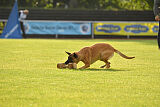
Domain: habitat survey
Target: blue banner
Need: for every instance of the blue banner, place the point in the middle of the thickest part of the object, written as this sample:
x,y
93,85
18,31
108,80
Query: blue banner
x,y
12,28
59,28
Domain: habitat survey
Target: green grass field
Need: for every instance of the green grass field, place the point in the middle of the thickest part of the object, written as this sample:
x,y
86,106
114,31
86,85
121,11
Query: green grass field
x,y
29,77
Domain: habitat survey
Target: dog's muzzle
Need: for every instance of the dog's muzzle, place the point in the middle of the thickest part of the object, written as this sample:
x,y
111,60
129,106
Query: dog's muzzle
x,y
67,62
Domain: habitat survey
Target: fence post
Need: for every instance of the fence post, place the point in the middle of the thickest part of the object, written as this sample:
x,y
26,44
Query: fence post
x,y
92,27
56,36
128,37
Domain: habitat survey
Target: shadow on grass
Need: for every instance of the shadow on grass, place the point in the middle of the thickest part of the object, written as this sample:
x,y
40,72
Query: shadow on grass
x,y
96,69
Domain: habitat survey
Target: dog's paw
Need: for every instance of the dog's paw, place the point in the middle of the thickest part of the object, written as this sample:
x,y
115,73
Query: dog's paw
x,y
103,66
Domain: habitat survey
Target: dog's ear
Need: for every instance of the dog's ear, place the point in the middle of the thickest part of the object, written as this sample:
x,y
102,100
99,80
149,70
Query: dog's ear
x,y
75,55
68,53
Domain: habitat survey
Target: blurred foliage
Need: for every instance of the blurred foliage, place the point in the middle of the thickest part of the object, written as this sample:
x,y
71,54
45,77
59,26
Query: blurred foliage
x,y
82,4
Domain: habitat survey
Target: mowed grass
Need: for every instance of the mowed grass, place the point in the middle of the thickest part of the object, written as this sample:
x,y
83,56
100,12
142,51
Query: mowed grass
x,y
29,77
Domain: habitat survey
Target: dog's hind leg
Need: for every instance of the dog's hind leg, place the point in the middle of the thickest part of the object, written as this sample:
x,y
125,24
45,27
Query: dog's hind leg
x,y
107,65
105,59
103,66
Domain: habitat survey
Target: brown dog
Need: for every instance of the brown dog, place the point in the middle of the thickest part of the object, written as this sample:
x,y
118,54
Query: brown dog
x,y
89,55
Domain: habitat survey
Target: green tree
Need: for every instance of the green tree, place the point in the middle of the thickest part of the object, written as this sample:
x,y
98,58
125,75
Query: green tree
x,y
83,4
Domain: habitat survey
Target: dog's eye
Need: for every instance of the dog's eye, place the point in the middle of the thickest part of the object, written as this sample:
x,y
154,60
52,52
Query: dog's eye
x,y
69,58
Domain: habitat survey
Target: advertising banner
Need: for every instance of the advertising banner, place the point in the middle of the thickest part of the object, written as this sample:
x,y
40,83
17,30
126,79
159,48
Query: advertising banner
x,y
2,25
59,28
126,28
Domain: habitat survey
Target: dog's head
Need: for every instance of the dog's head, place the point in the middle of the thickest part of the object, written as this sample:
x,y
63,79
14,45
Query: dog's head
x,y
72,58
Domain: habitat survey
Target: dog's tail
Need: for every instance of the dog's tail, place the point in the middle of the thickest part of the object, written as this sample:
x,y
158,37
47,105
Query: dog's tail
x,y
122,55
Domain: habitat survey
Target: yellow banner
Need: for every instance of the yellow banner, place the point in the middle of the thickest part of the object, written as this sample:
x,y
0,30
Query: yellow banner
x,y
2,25
126,28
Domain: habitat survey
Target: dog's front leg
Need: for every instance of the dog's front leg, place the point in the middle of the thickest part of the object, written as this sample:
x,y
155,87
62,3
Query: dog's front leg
x,y
87,64
86,61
